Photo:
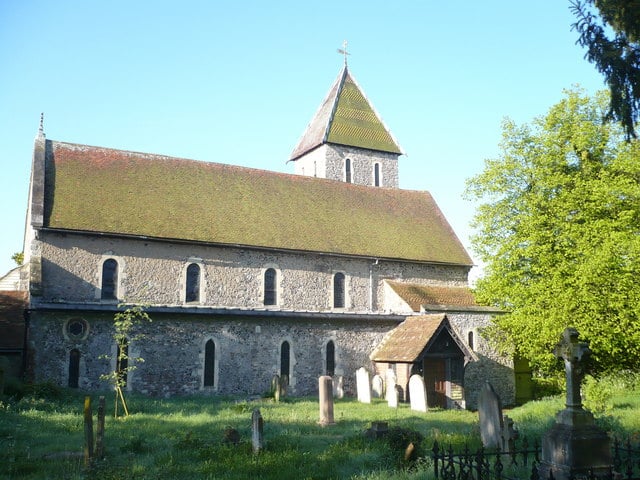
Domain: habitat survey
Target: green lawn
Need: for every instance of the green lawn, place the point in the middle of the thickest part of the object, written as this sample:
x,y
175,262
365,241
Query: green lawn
x,y
178,438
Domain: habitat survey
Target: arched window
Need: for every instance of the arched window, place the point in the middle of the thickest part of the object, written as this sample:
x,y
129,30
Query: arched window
x,y
209,363
285,361
122,363
192,293
376,174
470,339
109,280
330,360
74,368
338,290
347,170
270,287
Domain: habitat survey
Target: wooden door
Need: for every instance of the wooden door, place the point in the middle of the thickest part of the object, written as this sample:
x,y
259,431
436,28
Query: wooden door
x,y
436,382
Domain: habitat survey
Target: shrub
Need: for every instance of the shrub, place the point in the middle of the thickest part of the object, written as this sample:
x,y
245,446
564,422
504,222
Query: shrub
x,y
597,394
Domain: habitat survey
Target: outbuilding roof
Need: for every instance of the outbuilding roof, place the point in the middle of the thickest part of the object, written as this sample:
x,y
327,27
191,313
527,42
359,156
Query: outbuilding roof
x,y
346,117
407,342
95,189
417,296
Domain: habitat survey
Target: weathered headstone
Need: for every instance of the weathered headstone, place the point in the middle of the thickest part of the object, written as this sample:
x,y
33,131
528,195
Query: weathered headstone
x,y
390,384
377,430
417,393
326,400
574,446
284,385
338,386
490,415
363,386
377,386
275,387
256,431
392,398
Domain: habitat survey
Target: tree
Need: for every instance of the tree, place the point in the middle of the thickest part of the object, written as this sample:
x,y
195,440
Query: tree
x,y
126,330
559,228
18,257
618,58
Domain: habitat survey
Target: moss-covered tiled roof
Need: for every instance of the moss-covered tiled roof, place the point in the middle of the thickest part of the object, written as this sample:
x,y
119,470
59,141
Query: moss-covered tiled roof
x,y
419,295
407,341
346,117
113,191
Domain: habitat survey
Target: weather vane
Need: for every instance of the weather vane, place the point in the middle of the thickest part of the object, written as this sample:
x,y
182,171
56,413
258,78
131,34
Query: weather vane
x,y
344,52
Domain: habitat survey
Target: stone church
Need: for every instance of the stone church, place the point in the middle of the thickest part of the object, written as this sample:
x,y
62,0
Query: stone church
x,y
248,273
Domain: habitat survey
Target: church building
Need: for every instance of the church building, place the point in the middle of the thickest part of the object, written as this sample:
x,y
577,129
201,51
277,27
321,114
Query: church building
x,y
249,273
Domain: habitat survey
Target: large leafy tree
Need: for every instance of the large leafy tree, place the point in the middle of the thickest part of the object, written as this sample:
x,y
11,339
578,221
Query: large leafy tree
x,y
558,227
611,34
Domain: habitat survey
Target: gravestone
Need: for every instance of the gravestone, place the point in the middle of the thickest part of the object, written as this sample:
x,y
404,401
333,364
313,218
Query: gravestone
x,y
417,393
378,430
325,389
275,387
509,435
363,386
377,386
490,415
338,386
256,431
390,384
574,446
392,398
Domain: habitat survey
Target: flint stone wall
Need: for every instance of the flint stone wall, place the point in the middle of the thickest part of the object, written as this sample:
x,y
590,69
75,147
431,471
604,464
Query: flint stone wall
x,y
153,272
491,367
247,352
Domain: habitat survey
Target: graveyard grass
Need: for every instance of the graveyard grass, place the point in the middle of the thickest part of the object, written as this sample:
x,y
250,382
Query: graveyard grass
x,y
41,436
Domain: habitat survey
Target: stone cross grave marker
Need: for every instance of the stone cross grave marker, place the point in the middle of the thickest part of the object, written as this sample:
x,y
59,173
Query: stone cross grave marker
x,y
377,386
574,354
363,386
417,393
490,415
256,431
325,389
574,446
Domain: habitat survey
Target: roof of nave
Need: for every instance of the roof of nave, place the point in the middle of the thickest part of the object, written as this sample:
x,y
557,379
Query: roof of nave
x,y
346,117
104,190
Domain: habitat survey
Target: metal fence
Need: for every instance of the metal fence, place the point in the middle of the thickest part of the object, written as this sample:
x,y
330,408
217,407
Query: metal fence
x,y
521,462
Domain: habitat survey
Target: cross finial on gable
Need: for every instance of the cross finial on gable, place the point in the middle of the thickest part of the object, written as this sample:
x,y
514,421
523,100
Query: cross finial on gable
x,y
344,52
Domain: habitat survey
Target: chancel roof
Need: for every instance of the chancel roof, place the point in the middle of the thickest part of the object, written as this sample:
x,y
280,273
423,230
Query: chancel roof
x,y
346,117
94,189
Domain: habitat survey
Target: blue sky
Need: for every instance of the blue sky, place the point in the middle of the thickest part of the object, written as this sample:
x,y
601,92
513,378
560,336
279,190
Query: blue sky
x,y
237,81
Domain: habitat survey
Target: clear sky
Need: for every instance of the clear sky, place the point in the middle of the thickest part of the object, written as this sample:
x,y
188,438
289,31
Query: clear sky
x,y
237,81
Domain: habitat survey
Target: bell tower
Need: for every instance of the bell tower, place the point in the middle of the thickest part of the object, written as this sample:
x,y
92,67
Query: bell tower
x,y
346,140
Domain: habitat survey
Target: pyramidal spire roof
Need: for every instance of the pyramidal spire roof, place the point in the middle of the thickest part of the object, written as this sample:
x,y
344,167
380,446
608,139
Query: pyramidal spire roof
x,y
346,117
